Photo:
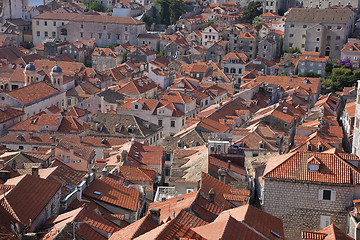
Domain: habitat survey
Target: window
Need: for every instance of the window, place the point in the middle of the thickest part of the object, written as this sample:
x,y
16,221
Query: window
x,y
67,159
81,35
104,27
291,45
292,25
318,29
118,36
304,26
82,26
45,23
328,38
37,23
329,27
338,27
100,35
126,28
317,39
303,36
167,171
324,221
327,195
189,190
54,34
337,37
45,33
21,147
38,33
160,123
183,122
54,24
109,35
172,123
167,157
291,35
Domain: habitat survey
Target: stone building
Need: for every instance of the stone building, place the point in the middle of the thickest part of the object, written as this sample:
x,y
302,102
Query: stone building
x,y
99,28
310,190
318,30
356,131
14,9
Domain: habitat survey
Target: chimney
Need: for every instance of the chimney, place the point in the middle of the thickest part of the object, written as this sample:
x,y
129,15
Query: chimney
x,y
132,141
222,175
105,171
79,193
87,180
124,155
118,158
212,195
35,171
93,173
155,215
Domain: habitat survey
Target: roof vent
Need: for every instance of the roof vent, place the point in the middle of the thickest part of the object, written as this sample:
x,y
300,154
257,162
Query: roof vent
x,y
275,234
97,193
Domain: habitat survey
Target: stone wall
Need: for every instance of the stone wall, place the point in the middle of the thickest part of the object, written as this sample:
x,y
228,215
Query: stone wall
x,y
298,206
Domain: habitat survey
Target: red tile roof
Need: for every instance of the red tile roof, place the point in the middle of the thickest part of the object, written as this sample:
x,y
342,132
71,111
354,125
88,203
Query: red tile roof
x,y
34,92
137,174
136,229
169,231
208,182
23,201
7,113
333,168
226,227
330,232
113,193
88,18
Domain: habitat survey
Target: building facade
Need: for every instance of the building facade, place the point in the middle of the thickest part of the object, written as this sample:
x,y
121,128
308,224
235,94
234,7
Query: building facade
x,y
72,27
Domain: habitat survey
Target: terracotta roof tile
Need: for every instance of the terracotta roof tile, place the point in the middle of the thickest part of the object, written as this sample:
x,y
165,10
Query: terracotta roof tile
x,y
33,92
22,196
113,193
333,168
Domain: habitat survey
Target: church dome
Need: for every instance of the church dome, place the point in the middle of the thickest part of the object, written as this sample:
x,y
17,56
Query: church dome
x,y
56,69
30,67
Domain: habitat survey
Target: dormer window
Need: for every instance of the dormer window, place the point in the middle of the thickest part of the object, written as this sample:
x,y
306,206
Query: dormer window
x,y
320,147
313,164
261,145
308,147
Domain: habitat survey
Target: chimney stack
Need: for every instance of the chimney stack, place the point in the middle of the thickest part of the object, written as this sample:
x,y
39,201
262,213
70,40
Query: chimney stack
x,y
124,156
118,158
212,194
155,215
79,193
35,171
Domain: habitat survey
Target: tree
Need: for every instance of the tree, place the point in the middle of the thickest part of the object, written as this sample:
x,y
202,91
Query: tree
x,y
97,6
252,11
170,10
125,56
209,23
257,23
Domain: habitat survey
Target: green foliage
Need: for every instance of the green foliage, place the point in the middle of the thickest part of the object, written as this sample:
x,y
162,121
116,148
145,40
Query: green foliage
x,y
111,46
97,6
257,23
85,2
209,23
340,77
292,50
310,74
160,54
252,11
148,20
329,67
125,56
170,10
109,10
